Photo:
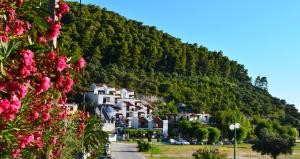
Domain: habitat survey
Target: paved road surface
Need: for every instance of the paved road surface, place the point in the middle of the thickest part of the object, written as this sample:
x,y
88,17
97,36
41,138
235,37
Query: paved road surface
x,y
125,151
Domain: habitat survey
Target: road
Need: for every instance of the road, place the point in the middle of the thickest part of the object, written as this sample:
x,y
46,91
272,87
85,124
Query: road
x,y
125,151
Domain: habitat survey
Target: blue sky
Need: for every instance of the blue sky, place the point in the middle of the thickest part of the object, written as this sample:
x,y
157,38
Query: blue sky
x,y
262,35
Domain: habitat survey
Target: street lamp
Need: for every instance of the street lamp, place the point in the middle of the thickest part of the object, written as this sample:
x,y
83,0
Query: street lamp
x,y
234,127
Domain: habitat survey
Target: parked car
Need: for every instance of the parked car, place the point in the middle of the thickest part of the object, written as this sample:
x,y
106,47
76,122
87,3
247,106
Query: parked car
x,y
172,141
105,157
194,142
227,142
181,142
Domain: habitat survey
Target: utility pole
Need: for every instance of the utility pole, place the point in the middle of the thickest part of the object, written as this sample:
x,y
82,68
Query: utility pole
x,y
234,127
234,140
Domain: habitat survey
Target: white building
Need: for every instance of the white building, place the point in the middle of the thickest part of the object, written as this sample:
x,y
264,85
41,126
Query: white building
x,y
200,117
120,108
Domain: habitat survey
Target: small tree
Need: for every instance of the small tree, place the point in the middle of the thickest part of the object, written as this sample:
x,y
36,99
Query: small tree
x,y
201,134
241,134
213,134
272,139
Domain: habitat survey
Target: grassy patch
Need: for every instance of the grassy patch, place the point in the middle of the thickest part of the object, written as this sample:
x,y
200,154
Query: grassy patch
x,y
165,151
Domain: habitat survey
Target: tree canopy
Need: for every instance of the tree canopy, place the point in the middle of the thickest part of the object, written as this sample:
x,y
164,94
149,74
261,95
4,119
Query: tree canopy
x,y
126,53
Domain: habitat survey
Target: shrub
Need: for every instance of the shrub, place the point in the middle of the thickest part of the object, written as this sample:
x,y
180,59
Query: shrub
x,y
143,146
209,154
213,134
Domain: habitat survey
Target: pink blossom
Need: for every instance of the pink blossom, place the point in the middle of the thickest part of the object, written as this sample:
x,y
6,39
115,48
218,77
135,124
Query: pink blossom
x,y
53,140
25,72
28,57
52,55
59,16
35,115
8,116
26,140
68,84
16,153
4,38
20,3
4,105
39,144
45,84
38,134
23,91
55,31
63,8
63,115
62,64
6,29
19,30
11,15
49,19
42,40
55,26
53,34
15,104
45,116
81,63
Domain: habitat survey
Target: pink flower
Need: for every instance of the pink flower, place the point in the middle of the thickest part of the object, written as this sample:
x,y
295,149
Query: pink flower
x,y
8,116
63,8
68,85
28,57
53,34
26,140
4,105
6,29
42,40
19,30
15,104
38,134
49,19
55,26
25,72
4,38
55,31
62,64
11,15
16,153
35,115
46,116
20,3
53,140
23,91
39,144
45,84
52,55
59,16
81,63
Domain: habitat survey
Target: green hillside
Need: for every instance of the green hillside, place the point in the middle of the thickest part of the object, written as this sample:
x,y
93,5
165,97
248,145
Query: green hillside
x,y
128,54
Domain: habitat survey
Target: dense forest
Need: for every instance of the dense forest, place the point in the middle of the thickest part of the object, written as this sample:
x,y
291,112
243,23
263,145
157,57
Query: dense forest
x,y
128,54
